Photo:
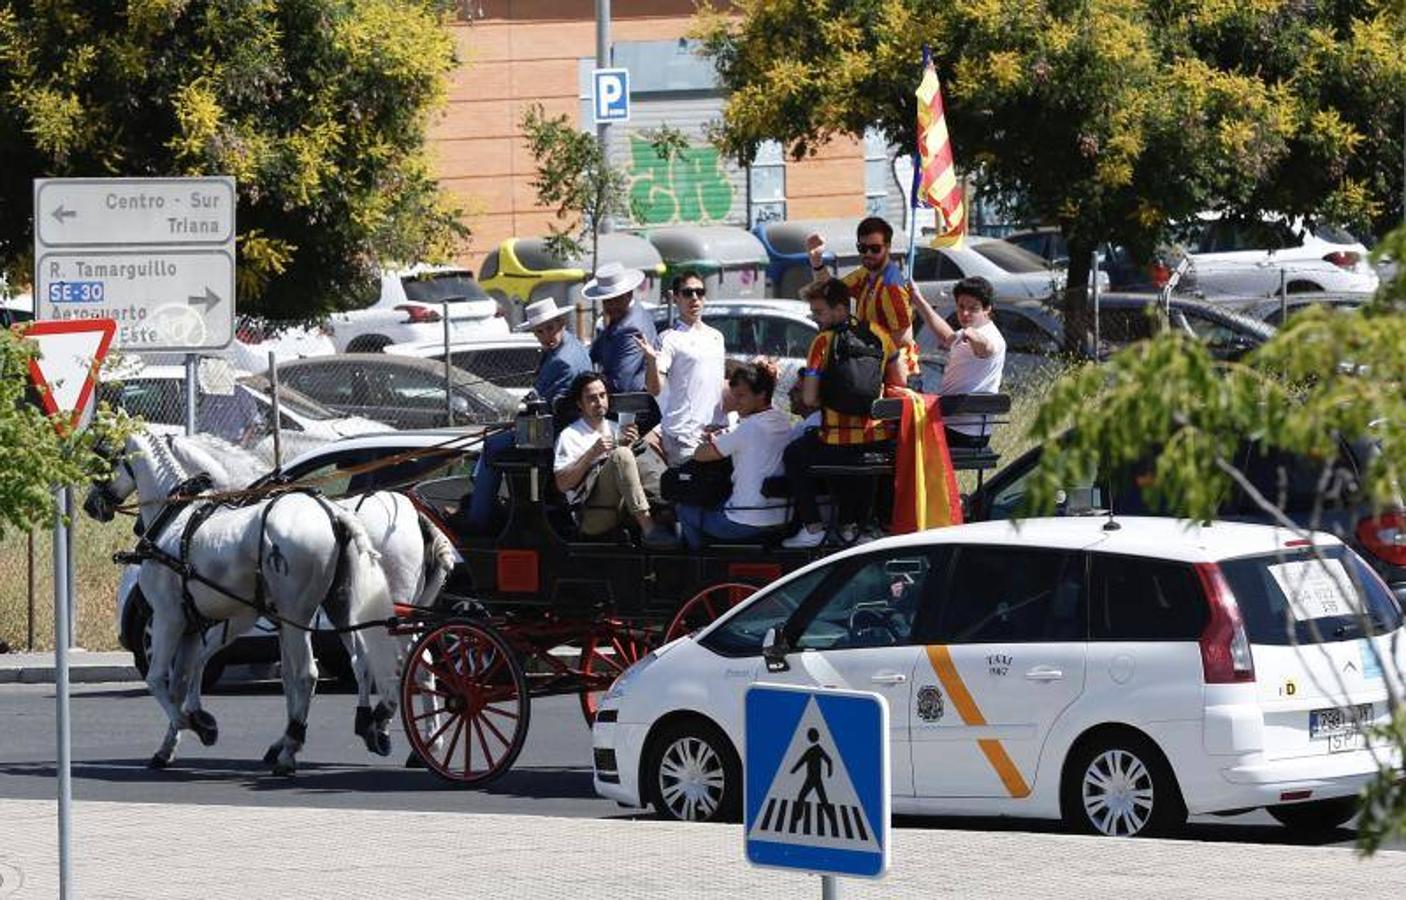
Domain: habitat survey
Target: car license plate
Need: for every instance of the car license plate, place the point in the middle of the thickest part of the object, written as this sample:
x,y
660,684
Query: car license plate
x,y
1340,720
1345,742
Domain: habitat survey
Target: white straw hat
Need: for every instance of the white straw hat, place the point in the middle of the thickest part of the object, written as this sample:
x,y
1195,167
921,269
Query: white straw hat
x,y
612,280
541,312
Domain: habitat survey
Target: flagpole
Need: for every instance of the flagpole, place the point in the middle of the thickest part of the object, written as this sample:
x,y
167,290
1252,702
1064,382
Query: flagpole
x,y
917,180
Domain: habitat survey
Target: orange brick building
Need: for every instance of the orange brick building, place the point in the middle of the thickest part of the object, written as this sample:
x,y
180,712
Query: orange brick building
x,y
516,52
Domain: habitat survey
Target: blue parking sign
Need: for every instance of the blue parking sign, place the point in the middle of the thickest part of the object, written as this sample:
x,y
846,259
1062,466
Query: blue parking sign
x,y
612,95
816,780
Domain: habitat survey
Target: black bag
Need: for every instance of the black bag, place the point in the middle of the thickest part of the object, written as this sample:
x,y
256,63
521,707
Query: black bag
x,y
853,377
706,484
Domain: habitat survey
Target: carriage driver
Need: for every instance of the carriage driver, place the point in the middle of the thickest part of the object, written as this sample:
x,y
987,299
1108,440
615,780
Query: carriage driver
x,y
596,467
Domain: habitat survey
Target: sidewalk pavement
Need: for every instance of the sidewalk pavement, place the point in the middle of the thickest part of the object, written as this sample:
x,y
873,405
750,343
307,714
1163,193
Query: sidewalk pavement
x,y
84,666
171,851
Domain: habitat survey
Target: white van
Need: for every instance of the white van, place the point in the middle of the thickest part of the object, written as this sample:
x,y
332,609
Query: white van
x,y
1116,675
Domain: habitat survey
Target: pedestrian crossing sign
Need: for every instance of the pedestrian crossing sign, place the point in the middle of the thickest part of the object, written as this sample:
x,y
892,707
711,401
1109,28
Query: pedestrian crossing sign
x,y
816,780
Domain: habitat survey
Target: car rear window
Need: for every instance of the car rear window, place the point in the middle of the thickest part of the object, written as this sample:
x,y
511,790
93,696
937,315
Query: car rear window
x,y
508,367
1011,258
441,287
1335,597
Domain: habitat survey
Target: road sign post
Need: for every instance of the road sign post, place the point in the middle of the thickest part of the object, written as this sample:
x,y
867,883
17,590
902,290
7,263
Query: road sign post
x,y
816,781
156,255
64,373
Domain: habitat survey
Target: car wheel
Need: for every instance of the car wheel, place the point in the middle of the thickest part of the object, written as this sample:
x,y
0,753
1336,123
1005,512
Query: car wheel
x,y
1316,816
139,639
369,343
693,775
1120,786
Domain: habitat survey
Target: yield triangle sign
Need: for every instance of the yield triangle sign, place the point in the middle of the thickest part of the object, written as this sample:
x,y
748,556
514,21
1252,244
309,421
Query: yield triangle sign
x,y
65,371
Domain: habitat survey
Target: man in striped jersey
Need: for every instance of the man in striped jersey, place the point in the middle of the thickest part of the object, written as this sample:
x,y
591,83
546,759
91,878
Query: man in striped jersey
x,y
878,287
841,438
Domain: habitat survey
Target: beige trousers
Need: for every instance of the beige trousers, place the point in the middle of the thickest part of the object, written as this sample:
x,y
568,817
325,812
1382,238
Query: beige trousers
x,y
616,494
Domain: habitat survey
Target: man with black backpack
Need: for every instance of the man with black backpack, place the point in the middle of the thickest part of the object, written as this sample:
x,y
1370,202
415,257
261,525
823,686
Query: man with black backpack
x,y
846,369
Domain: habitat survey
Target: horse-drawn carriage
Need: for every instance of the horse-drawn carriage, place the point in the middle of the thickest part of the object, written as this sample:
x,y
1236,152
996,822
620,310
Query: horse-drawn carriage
x,y
544,613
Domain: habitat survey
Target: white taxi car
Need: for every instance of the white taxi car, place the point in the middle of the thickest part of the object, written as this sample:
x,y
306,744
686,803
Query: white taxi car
x,y
1116,677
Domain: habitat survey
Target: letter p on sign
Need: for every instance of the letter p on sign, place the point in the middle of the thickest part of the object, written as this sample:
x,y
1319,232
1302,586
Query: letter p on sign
x,y
612,95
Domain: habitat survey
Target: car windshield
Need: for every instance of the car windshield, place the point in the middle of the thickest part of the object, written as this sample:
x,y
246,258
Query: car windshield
x,y
1011,258
442,286
1301,596
294,401
508,367
489,403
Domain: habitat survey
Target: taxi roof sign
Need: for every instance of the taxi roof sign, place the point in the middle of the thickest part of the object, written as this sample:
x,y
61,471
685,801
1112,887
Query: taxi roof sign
x,y
816,785
65,371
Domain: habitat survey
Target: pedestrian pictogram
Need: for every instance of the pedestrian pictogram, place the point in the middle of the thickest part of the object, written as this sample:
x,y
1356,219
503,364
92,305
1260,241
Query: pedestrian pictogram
x,y
817,781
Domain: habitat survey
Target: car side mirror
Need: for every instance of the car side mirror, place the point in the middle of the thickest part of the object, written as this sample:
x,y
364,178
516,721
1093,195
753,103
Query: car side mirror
x,y
774,651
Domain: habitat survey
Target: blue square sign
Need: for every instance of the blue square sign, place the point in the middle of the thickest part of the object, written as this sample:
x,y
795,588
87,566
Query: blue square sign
x,y
816,780
611,95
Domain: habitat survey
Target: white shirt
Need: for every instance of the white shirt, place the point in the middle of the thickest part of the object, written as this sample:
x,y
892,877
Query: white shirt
x,y
755,447
692,360
572,444
967,373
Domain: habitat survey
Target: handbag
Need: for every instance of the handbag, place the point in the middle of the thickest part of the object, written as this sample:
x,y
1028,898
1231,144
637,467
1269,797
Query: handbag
x,y
705,484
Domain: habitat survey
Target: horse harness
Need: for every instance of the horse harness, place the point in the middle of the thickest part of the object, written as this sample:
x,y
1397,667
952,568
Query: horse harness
x,y
186,493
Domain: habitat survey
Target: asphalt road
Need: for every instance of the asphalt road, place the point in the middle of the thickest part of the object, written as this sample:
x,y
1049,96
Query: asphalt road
x,y
116,728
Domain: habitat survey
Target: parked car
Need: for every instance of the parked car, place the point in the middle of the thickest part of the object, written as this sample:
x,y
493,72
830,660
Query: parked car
x,y
1249,258
446,477
1271,311
1013,272
244,416
410,309
400,391
509,361
1116,679
1114,260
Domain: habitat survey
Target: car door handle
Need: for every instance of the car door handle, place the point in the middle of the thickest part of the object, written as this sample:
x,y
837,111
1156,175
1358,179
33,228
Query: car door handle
x,y
888,678
1044,673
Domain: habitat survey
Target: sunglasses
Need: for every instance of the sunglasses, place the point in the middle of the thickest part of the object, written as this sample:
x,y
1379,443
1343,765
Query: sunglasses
x,y
869,248
693,293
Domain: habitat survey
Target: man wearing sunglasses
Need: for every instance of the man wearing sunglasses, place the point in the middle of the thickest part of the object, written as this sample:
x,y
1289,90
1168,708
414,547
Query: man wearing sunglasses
x,y
690,361
877,288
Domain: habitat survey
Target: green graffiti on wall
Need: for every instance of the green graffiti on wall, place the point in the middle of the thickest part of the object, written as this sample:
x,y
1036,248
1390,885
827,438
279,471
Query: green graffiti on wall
x,y
691,186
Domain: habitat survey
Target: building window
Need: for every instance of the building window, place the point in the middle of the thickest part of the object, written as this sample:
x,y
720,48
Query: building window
x,y
878,178
766,179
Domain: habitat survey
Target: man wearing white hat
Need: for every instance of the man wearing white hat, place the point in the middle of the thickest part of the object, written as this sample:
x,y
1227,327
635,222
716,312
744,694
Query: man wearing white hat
x,y
563,358
615,351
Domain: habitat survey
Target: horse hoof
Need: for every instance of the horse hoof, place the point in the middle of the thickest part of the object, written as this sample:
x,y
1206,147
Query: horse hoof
x,y
158,761
271,755
362,726
382,744
205,727
413,761
284,770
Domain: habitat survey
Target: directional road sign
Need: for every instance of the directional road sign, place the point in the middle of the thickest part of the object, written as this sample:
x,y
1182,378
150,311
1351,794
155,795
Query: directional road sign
x,y
156,255
816,780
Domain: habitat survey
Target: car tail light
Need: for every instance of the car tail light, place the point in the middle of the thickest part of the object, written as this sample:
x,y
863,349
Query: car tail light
x,y
1160,274
1384,537
1225,647
1343,259
418,314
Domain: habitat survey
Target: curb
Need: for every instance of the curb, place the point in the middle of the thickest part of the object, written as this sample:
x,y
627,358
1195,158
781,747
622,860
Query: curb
x,y
76,674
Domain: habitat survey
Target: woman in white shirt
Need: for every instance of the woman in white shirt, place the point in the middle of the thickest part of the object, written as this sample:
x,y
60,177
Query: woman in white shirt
x,y
755,447
690,361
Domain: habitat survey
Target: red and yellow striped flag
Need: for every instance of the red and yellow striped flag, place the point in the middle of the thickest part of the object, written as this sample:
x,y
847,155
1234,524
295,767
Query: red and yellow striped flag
x,y
924,486
939,187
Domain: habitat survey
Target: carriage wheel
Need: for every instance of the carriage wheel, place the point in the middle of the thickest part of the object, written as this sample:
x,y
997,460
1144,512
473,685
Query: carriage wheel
x,y
464,702
706,606
608,655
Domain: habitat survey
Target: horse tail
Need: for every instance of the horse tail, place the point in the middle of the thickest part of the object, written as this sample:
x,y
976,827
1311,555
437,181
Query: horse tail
x,y
355,531
440,559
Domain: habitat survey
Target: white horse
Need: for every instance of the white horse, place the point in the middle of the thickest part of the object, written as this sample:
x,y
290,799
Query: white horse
x,y
415,555
288,553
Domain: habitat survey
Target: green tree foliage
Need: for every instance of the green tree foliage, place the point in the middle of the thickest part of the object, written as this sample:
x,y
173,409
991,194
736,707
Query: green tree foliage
x,y
37,457
1325,377
576,179
1109,117
318,108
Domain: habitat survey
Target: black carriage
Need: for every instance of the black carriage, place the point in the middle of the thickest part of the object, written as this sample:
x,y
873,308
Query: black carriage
x,y
539,612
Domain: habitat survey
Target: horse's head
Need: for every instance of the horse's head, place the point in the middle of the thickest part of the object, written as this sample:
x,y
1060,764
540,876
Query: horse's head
x,y
105,496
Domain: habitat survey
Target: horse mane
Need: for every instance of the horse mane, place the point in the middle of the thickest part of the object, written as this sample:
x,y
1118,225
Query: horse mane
x,y
241,466
164,463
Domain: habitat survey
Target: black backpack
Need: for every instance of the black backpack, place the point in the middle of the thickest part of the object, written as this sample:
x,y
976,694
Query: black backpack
x,y
853,377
